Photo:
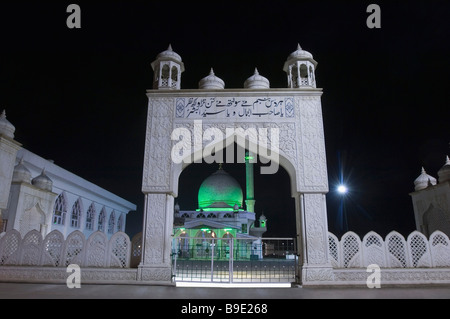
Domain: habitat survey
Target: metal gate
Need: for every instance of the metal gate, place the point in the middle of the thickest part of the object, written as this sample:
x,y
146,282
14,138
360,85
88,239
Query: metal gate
x,y
234,260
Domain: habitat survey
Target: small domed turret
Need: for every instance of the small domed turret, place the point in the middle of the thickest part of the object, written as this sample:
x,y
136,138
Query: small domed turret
x,y
6,128
257,81
21,174
211,82
262,221
424,180
444,172
43,182
167,70
300,68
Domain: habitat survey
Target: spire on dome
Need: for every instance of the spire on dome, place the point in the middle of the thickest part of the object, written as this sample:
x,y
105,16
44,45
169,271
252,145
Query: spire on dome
x,y
299,47
424,180
444,171
170,47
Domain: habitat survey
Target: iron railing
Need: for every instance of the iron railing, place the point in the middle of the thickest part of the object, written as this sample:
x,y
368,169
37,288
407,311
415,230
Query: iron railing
x,y
235,260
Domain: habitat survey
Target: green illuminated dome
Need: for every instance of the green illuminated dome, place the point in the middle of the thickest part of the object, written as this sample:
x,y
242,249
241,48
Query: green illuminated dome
x,y
220,191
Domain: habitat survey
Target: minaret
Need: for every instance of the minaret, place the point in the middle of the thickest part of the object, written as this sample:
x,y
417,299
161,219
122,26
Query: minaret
x,y
250,190
261,229
167,70
262,221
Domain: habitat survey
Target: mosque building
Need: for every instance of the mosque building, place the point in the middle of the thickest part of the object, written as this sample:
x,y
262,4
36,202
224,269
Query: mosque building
x,y
431,201
220,215
36,194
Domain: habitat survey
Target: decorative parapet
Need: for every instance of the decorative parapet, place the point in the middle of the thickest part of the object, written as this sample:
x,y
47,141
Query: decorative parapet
x,y
55,251
394,251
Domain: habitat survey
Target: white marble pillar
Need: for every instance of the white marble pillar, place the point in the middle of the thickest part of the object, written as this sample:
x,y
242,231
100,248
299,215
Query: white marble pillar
x,y
316,265
8,153
157,238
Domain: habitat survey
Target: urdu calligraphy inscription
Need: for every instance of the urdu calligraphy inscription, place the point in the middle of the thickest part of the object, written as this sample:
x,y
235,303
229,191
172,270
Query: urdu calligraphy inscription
x,y
235,107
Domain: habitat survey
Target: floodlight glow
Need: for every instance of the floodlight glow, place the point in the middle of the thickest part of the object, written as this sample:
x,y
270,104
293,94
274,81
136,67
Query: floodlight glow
x,y
342,189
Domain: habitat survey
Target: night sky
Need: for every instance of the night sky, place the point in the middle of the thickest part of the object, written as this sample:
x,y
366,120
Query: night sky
x,y
77,96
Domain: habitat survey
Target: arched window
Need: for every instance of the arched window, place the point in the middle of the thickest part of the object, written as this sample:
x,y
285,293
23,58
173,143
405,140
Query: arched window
x,y
303,71
226,242
102,220
165,72
59,213
174,74
204,242
211,215
227,215
311,72
75,217
120,223
201,215
294,76
90,217
185,215
111,223
304,74
183,246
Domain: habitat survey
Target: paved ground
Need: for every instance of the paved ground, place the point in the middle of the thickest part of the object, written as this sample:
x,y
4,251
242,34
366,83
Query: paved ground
x,y
47,291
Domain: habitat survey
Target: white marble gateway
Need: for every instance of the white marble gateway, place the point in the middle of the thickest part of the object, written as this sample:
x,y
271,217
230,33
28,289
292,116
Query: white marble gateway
x,y
294,111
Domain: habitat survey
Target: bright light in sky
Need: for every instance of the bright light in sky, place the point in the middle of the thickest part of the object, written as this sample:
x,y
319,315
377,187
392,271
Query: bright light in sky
x,y
342,189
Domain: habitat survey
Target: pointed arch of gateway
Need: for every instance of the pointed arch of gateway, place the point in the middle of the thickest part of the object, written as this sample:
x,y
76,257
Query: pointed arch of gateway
x,y
183,123
246,141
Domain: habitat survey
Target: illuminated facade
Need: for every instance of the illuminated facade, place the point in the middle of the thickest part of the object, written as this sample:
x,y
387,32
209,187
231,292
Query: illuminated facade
x,y
219,216
43,196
